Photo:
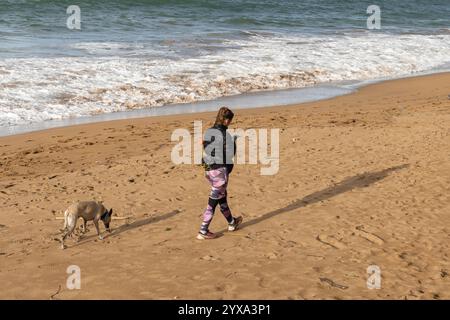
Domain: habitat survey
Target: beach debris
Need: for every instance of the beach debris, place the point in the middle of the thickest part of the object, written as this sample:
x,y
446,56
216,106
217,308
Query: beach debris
x,y
333,284
113,218
371,237
131,180
330,241
57,292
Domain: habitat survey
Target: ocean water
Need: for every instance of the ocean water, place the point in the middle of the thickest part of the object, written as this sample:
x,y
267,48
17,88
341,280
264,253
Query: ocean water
x,y
137,54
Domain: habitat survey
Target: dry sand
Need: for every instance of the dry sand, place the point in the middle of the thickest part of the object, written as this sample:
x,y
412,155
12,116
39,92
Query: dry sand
x,y
364,180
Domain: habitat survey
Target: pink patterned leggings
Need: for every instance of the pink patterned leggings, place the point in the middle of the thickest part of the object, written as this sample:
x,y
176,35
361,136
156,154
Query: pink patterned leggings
x,y
218,179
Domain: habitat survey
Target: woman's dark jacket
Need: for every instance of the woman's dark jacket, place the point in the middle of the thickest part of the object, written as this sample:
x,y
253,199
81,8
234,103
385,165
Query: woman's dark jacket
x,y
219,148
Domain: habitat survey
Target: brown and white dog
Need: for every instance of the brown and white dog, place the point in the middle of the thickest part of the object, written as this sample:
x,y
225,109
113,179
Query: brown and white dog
x,y
88,210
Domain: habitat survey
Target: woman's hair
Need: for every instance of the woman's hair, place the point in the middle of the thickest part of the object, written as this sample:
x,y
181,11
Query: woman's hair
x,y
223,114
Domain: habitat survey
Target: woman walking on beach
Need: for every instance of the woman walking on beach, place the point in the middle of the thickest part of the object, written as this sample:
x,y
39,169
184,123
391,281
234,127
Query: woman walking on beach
x,y
219,149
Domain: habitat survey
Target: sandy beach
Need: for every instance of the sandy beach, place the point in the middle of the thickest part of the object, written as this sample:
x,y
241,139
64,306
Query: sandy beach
x,y
364,180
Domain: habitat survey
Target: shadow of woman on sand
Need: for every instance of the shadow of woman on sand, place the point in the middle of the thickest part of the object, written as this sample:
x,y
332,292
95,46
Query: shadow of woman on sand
x,y
359,181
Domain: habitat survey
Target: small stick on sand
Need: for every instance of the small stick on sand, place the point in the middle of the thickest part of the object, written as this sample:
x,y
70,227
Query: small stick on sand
x,y
113,218
333,284
53,295
239,235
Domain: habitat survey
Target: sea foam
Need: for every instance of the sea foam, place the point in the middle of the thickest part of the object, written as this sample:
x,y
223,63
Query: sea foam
x,y
39,89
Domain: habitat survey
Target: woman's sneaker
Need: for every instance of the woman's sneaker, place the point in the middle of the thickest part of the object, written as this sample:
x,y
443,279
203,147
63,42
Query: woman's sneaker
x,y
207,236
233,226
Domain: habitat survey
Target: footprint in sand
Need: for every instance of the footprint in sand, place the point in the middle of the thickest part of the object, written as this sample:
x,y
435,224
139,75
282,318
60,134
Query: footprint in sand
x,y
209,258
331,241
359,231
262,283
271,255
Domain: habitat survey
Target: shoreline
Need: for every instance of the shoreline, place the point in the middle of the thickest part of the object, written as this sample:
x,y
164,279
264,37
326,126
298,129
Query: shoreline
x,y
363,180
251,100
255,100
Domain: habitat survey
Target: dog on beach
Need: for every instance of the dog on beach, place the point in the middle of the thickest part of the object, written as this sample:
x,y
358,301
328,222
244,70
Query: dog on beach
x,y
88,210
